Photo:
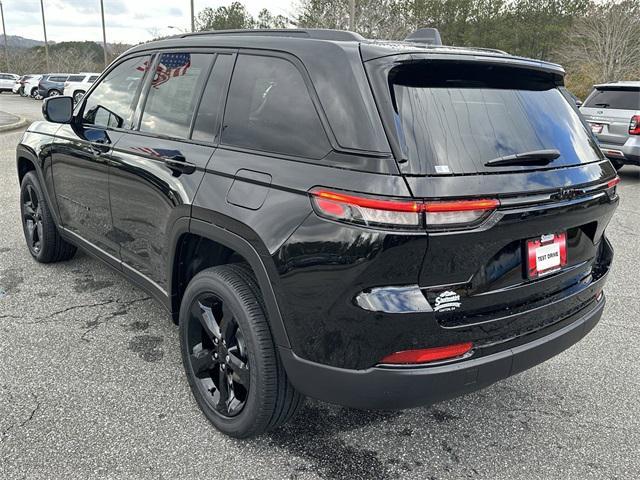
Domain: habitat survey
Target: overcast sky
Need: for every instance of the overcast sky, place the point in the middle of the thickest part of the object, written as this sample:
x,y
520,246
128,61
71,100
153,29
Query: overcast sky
x,y
128,21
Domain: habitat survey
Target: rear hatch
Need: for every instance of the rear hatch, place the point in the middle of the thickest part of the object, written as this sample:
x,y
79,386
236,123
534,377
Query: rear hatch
x,y
609,109
506,135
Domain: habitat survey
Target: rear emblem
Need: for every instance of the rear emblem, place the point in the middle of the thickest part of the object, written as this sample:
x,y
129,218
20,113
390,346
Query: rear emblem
x,y
447,302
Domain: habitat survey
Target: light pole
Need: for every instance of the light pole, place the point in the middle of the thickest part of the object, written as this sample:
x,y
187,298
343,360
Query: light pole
x,y
44,29
4,32
104,34
193,18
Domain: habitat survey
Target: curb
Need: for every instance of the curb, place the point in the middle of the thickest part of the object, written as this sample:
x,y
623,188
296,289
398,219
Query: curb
x,y
15,125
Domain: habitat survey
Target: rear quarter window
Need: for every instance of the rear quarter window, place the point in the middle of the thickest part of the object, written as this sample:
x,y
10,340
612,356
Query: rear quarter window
x,y
616,98
269,109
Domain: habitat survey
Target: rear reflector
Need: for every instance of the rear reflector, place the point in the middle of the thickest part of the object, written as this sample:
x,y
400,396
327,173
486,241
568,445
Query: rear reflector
x,y
613,183
634,125
427,355
371,211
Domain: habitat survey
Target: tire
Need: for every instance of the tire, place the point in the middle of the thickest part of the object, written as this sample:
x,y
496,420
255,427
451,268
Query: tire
x,y
53,93
34,92
43,240
250,376
77,96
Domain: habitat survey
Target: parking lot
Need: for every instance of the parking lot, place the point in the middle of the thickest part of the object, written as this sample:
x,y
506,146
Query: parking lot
x,y
91,386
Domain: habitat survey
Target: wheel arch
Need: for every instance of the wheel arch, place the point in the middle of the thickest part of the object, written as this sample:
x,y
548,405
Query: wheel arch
x,y
222,247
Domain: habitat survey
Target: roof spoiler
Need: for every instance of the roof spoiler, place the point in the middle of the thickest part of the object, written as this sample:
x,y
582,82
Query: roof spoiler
x,y
430,36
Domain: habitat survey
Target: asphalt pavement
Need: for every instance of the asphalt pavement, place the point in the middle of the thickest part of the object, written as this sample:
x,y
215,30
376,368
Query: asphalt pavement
x,y
91,386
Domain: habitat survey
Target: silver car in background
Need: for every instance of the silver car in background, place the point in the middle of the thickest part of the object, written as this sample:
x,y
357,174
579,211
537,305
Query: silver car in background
x,y
613,111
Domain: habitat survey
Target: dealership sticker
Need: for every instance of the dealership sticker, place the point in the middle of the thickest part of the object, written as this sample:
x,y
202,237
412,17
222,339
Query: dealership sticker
x,y
447,302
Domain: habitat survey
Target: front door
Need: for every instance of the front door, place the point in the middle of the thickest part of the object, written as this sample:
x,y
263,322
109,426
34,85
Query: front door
x,y
81,154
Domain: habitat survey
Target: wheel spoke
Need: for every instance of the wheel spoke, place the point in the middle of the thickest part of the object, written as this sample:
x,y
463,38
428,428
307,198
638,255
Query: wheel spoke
x,y
239,368
202,361
227,327
223,392
208,322
39,230
33,198
29,211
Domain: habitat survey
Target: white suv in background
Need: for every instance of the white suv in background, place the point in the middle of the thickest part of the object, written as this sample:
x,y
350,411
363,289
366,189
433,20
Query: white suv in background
x,y
7,81
31,86
77,85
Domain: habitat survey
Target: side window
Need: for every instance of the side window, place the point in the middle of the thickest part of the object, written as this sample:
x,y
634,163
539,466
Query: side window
x,y
269,109
93,78
76,78
174,93
207,122
111,102
58,79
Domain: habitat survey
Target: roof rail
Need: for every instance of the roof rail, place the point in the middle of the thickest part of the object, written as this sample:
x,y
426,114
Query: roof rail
x,y
313,33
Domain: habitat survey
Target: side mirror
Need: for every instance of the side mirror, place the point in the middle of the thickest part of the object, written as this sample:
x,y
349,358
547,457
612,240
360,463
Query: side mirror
x,y
58,109
578,103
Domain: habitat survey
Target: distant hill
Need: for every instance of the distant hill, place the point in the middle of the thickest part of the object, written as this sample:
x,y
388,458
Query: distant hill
x,y
16,41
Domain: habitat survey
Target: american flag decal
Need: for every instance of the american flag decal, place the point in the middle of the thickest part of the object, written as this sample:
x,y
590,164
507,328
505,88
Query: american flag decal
x,y
171,65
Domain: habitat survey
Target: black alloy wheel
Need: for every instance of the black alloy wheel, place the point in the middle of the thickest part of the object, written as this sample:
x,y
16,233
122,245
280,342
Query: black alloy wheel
x,y
40,231
230,358
32,218
218,355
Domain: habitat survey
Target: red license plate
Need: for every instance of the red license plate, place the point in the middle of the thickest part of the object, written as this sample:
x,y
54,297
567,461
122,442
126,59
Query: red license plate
x,y
546,254
596,127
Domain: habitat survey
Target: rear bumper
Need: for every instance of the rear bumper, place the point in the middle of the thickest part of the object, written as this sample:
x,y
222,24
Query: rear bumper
x,y
397,388
629,153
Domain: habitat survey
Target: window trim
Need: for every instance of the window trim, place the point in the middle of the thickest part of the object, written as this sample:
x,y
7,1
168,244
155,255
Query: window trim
x,y
315,101
223,106
79,112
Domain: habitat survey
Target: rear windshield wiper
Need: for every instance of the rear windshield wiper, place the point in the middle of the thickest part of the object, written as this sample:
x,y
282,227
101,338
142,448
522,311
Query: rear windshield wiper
x,y
535,157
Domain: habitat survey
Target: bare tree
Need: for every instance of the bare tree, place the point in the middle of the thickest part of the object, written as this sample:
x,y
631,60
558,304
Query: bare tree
x,y
371,18
604,43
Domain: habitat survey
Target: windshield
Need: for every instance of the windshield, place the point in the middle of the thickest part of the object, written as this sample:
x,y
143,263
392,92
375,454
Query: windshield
x,y
453,120
616,98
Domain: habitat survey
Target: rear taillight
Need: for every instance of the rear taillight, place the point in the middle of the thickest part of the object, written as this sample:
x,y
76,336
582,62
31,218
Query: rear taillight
x,y
427,355
613,183
634,125
399,213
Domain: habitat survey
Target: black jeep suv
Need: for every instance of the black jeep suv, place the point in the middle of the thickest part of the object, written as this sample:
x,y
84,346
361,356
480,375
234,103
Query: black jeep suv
x,y
374,224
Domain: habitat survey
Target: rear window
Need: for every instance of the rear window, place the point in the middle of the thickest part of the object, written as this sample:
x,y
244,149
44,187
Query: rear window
x,y
616,98
453,118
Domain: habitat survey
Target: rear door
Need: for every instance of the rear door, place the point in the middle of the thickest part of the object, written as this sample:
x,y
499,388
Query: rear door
x,y
609,109
156,170
516,189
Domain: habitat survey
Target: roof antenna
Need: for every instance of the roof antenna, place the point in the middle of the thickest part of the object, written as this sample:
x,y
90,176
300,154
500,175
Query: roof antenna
x,y
430,36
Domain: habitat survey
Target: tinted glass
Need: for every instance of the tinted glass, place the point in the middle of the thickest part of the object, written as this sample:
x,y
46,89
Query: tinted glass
x,y
93,78
208,119
616,98
111,102
175,90
76,78
269,109
58,79
455,125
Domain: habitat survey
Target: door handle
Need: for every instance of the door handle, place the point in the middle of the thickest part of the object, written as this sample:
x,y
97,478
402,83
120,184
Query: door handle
x,y
178,165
